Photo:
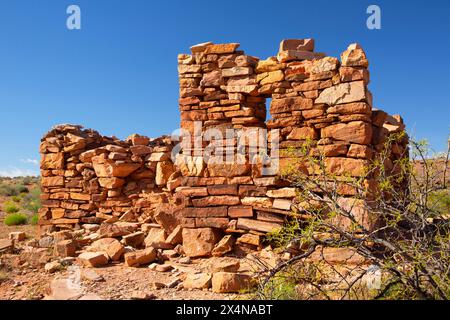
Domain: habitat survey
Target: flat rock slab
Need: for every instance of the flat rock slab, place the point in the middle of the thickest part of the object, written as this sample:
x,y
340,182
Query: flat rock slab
x,y
6,245
66,289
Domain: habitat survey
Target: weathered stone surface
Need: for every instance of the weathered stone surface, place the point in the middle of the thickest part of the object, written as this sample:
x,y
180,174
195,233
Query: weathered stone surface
x,y
303,133
227,282
343,93
191,166
262,226
135,239
200,47
112,230
350,108
138,140
164,170
221,48
220,223
224,246
322,69
112,247
290,104
212,79
290,55
176,237
240,211
360,151
268,65
197,281
156,238
236,71
52,161
224,264
141,257
297,44
362,217
216,201
346,256
229,169
346,166
199,242
331,150
224,189
93,259
168,217
17,236
111,183
6,245
119,170
356,132
52,267
257,201
190,212
56,181
282,193
354,56
282,204
270,77
249,238
65,248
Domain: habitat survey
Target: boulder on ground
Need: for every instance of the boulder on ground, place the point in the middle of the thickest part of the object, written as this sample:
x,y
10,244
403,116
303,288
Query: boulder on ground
x,y
227,282
141,257
93,259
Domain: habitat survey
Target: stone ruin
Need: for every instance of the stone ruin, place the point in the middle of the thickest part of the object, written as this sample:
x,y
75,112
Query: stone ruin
x,y
116,188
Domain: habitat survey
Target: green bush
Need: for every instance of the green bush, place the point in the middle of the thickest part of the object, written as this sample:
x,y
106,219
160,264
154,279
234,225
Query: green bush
x,y
8,191
16,199
22,189
10,207
15,219
27,180
32,201
34,219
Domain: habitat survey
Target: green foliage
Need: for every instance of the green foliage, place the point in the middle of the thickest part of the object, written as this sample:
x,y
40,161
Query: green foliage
x,y
281,287
12,189
16,219
10,207
22,189
16,199
34,219
32,201
440,201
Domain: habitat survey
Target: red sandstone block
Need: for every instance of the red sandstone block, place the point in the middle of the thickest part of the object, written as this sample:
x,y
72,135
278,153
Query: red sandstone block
x,y
240,211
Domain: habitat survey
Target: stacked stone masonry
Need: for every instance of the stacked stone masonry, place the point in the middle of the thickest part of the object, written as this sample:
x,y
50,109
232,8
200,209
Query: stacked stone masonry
x,y
213,207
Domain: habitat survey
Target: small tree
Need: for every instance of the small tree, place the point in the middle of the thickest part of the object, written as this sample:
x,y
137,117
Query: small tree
x,y
397,219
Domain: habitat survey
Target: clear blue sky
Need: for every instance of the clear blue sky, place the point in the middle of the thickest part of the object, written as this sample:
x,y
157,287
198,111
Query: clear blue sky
x,y
118,74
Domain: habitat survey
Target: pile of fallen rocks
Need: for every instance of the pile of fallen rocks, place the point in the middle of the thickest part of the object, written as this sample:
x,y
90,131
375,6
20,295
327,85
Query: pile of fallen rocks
x,y
132,245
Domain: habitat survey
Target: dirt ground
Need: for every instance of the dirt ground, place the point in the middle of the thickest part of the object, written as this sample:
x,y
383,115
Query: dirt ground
x,y
116,282
22,277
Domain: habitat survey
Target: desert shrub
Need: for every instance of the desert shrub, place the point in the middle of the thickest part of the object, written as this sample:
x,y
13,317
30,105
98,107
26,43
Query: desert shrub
x,y
410,246
34,219
440,201
10,207
28,180
16,219
281,287
32,200
16,199
22,189
8,191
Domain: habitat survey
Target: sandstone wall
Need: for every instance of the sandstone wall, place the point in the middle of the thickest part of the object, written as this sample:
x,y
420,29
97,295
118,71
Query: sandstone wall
x,y
219,206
